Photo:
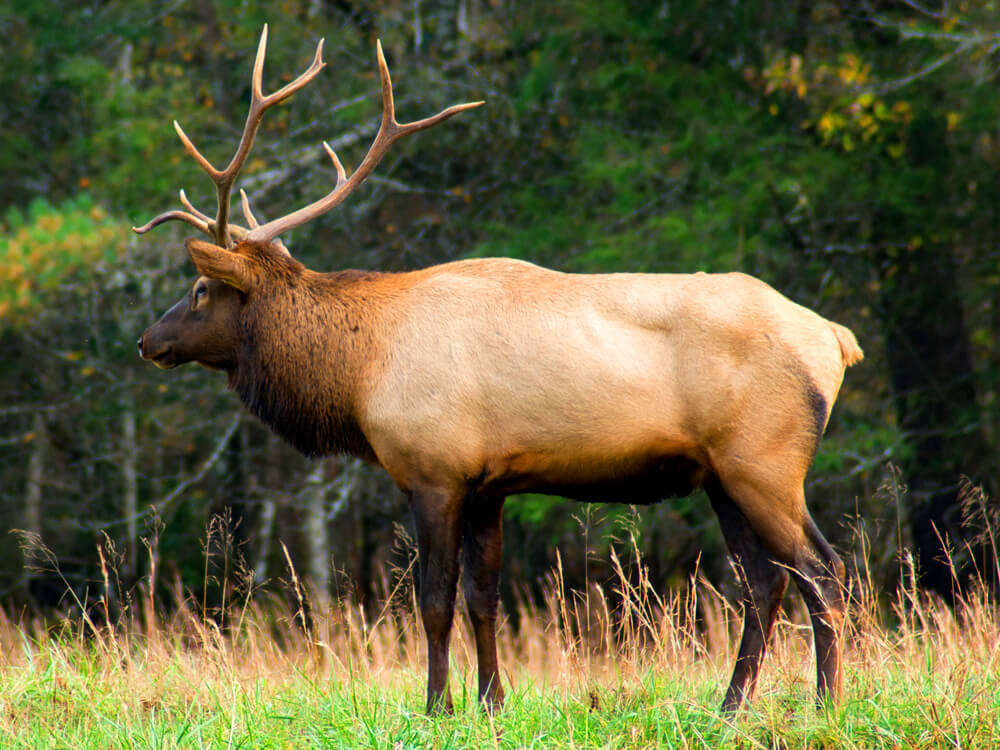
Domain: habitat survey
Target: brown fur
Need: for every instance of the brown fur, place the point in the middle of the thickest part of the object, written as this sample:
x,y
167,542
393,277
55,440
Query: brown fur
x,y
473,380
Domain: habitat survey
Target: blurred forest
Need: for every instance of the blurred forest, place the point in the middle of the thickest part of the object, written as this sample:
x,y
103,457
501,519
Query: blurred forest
x,y
846,153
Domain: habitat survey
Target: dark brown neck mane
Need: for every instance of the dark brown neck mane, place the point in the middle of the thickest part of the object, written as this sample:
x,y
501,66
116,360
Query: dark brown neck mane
x,y
304,345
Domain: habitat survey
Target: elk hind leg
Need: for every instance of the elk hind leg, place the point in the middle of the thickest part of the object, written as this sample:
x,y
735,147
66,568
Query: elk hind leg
x,y
763,582
777,512
819,575
482,546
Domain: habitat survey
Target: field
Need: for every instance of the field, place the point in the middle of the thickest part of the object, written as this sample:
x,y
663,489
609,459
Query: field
x,y
264,676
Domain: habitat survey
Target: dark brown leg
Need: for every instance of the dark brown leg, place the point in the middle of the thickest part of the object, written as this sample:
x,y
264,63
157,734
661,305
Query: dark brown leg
x,y
483,545
437,516
819,574
764,583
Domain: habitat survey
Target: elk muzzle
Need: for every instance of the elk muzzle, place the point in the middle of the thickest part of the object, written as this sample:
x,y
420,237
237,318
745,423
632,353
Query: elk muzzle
x,y
159,353
158,343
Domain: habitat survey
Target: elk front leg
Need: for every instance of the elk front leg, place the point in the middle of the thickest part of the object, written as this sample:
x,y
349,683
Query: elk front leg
x,y
437,517
483,545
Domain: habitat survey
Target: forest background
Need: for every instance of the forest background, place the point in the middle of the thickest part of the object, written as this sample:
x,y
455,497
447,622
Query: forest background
x,y
846,153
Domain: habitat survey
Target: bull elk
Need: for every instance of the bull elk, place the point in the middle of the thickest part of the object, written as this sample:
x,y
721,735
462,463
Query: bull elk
x,y
473,380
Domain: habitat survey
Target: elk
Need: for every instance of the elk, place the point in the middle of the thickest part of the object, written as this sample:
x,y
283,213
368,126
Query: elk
x,y
477,379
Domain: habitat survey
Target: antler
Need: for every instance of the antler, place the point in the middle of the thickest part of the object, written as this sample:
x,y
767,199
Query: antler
x,y
220,229
388,133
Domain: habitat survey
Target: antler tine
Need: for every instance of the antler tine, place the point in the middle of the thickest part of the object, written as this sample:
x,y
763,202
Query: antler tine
x,y
220,229
194,217
245,202
184,216
395,130
252,220
190,207
341,174
388,133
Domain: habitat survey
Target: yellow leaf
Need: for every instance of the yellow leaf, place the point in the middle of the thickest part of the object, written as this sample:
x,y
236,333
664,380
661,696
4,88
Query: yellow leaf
x,y
87,371
74,356
953,119
895,150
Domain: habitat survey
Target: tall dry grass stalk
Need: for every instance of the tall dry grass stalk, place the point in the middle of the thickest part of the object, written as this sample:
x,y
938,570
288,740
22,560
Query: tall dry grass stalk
x,y
592,643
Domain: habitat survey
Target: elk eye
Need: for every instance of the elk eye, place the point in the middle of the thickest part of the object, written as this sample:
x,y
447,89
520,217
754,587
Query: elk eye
x,y
200,291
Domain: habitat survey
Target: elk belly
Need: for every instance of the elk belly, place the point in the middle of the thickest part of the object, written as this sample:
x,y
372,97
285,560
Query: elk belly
x,y
643,477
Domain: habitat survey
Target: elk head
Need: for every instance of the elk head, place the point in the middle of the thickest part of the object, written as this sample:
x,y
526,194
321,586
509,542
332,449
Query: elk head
x,y
201,326
240,261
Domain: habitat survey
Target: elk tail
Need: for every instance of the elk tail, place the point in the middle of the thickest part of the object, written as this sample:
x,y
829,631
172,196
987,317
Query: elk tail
x,y
849,349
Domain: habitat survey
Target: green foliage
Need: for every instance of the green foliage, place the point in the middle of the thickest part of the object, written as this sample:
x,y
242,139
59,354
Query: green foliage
x,y
828,152
50,252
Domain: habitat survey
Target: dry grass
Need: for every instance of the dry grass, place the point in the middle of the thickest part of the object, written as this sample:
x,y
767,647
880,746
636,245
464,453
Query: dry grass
x,y
583,671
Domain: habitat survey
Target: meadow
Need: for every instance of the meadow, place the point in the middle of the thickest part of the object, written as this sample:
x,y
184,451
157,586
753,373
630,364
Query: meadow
x,y
624,669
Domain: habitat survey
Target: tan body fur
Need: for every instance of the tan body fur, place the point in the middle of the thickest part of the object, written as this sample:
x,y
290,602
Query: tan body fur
x,y
499,371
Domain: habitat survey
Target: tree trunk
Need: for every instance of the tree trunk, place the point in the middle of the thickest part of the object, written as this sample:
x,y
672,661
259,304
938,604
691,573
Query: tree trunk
x,y
267,506
33,495
314,528
130,490
262,540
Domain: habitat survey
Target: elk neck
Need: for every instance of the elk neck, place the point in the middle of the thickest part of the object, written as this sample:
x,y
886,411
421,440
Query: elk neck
x,y
308,343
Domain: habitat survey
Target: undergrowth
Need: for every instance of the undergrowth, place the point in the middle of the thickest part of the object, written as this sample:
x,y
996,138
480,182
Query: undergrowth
x,y
625,667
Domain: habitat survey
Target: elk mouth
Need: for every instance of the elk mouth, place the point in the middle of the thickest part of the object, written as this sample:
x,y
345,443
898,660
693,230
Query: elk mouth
x,y
164,361
165,358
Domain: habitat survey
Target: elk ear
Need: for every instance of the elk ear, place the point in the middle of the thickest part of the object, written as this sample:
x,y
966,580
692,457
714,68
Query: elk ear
x,y
216,263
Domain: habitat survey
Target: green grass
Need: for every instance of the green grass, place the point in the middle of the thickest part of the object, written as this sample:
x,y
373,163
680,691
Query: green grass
x,y
929,682
576,677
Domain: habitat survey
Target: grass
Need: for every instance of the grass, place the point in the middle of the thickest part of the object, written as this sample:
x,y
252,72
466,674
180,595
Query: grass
x,y
652,676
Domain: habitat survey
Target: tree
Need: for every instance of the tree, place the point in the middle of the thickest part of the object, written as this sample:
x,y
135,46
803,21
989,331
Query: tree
x,y
912,151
